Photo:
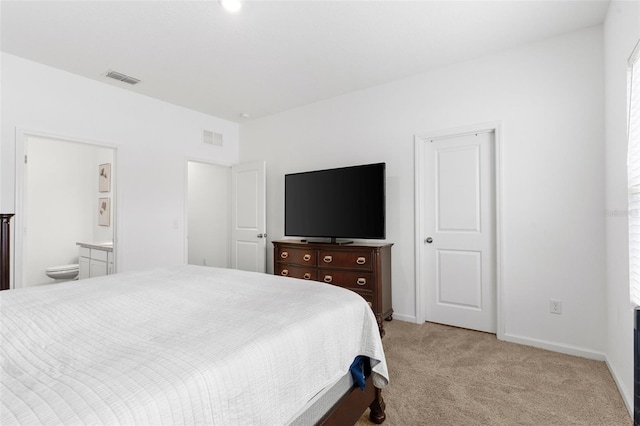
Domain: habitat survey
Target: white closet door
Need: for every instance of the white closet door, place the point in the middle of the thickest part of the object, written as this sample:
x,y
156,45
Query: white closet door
x,y
460,243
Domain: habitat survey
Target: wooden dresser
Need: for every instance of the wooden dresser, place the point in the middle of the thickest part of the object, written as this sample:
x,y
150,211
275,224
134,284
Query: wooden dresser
x,y
363,268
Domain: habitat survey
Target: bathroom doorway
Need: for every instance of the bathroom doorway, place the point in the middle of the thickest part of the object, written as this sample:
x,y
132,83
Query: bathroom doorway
x,y
68,197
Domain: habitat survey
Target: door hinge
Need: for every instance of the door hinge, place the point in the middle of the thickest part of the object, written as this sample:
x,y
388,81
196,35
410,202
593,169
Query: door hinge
x,y
25,159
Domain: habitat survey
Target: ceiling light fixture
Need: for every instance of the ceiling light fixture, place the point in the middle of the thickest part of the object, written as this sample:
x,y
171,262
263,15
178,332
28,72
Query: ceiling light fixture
x,y
231,5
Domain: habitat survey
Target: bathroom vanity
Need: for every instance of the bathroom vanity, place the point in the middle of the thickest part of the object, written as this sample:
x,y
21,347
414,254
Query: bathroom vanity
x,y
95,260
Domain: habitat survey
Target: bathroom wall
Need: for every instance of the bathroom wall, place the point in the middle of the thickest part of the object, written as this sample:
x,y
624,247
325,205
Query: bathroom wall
x,y
61,200
103,234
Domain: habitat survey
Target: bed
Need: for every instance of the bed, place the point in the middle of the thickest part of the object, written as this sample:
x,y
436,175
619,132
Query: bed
x,y
187,345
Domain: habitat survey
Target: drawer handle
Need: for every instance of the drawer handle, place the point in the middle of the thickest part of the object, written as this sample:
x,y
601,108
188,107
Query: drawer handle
x,y
328,259
361,260
284,255
328,278
361,281
307,276
306,257
284,272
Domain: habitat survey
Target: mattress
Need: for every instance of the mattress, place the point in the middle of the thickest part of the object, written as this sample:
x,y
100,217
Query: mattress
x,y
178,345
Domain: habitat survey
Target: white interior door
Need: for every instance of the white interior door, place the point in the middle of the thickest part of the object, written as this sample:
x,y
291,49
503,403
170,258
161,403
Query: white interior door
x,y
248,217
459,224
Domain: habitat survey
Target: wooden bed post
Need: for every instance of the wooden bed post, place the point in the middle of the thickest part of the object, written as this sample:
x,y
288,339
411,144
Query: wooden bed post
x,y
5,257
377,407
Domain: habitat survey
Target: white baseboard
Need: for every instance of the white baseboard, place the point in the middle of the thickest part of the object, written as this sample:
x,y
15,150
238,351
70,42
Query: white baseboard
x,y
405,318
626,397
555,347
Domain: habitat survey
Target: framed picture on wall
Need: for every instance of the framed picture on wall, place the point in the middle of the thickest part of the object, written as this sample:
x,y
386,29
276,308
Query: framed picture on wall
x,y
104,211
104,177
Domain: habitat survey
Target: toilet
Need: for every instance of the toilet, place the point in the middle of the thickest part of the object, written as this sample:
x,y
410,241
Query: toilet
x,y
64,272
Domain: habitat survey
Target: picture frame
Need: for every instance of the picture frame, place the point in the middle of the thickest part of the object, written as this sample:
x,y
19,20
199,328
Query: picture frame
x,y
104,211
104,177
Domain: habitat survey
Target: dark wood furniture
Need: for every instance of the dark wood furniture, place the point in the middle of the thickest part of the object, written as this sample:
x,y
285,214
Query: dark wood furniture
x,y
363,268
5,254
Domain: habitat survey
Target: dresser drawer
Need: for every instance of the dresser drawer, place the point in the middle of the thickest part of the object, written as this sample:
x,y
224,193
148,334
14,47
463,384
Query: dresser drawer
x,y
298,256
346,259
296,272
347,279
366,295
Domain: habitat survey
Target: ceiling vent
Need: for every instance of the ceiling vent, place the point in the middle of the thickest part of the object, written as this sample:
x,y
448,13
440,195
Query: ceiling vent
x,y
122,77
211,138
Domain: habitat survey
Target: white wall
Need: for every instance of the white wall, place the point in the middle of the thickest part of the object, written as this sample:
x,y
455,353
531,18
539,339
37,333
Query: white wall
x,y
208,213
549,97
61,185
152,138
621,33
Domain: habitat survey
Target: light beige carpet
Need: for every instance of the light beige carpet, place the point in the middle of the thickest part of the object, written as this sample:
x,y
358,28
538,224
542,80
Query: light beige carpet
x,y
442,375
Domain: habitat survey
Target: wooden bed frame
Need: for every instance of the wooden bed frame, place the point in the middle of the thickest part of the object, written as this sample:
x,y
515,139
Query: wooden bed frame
x,y
350,407
5,255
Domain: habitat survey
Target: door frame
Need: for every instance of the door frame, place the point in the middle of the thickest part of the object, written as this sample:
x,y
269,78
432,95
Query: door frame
x,y
419,140
19,223
230,167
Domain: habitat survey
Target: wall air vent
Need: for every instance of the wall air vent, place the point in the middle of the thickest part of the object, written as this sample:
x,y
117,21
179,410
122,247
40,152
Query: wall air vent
x,y
122,77
211,138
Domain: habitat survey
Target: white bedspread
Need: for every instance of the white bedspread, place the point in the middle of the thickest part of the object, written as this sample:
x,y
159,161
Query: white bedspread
x,y
179,345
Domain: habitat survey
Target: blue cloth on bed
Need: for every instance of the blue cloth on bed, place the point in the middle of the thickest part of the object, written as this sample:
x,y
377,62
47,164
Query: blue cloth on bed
x,y
357,371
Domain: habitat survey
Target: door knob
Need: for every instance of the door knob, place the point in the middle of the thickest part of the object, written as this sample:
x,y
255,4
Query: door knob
x,y
428,240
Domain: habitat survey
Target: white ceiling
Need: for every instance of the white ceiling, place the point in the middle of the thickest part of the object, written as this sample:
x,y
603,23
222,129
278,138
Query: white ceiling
x,y
273,55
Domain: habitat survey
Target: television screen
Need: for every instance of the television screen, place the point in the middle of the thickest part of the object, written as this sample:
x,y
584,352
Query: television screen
x,y
346,202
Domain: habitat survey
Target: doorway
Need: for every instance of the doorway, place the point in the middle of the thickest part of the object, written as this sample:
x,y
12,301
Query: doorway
x,y
457,217
208,220
62,203
226,215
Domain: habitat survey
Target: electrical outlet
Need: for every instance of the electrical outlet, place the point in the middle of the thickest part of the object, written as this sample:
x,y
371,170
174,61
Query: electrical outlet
x,y
555,306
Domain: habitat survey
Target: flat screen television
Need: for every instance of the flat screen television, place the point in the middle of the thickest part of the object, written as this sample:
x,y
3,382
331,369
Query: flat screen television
x,y
347,202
